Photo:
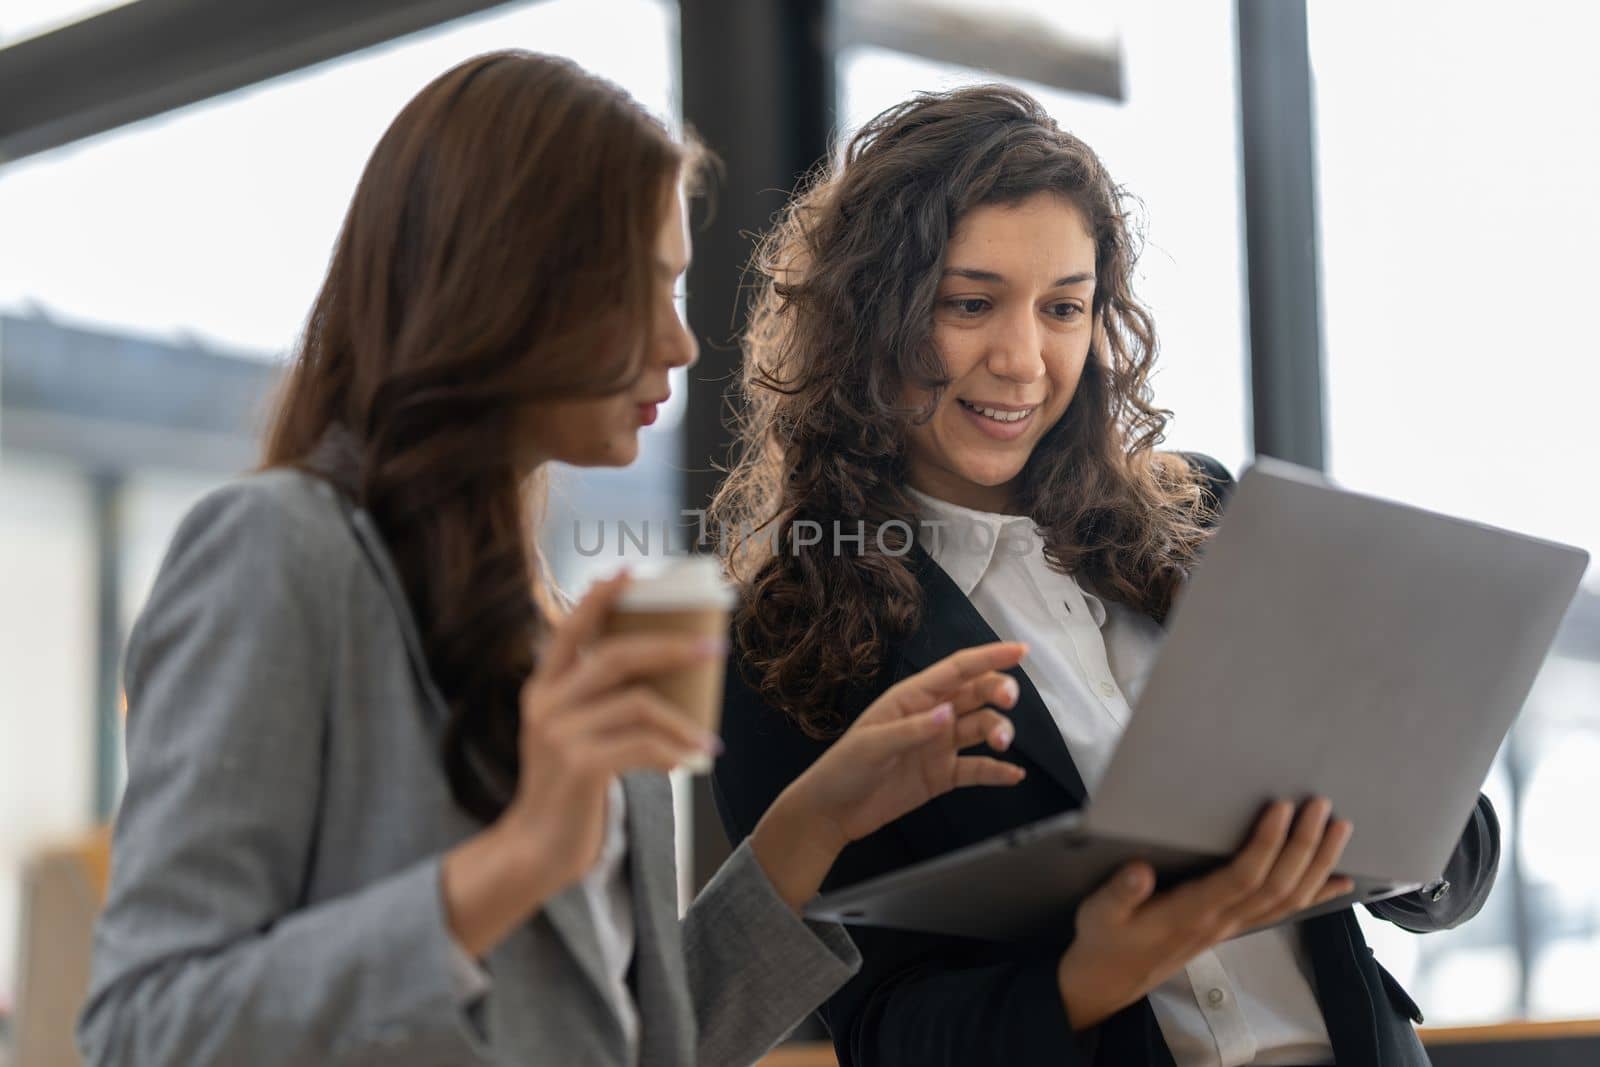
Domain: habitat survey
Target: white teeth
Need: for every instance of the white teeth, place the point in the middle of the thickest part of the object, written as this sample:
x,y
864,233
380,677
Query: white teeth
x,y
997,415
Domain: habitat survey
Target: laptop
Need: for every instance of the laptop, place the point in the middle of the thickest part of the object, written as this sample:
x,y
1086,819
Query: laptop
x,y
1328,644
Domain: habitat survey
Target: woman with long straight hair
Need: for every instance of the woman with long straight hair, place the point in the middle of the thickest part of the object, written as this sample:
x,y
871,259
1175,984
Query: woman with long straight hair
x,y
946,356
388,801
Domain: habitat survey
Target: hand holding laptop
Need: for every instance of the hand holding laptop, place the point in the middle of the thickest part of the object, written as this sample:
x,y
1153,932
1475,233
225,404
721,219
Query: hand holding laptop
x,y
1330,645
1130,938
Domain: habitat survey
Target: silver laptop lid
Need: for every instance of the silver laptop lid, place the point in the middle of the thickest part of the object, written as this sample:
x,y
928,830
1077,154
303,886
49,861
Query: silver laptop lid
x,y
1337,644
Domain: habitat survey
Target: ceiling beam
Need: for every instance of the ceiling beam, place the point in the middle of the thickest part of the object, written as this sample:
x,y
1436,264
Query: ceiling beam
x,y
1010,44
154,56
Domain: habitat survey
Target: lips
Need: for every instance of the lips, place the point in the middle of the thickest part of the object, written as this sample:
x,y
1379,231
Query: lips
x,y
1001,413
649,410
997,423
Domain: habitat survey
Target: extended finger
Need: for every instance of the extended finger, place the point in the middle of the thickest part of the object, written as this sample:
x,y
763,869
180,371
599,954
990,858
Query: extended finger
x,y
994,687
1320,870
985,726
945,678
1333,889
1226,886
884,740
1250,867
986,770
1284,878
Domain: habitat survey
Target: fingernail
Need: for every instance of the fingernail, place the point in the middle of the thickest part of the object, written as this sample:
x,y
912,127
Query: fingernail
x,y
711,647
1004,738
1010,689
711,744
943,712
1132,880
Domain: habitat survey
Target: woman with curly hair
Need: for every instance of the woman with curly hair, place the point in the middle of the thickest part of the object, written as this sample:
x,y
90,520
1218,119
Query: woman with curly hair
x,y
948,437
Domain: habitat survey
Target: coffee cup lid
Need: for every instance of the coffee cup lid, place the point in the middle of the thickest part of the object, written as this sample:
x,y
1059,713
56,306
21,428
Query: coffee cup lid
x,y
692,582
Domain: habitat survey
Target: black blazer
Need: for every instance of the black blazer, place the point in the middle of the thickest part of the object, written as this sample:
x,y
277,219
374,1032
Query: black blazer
x,y
922,1000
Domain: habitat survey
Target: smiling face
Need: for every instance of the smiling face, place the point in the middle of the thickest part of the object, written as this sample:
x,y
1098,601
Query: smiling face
x,y
1012,324
604,431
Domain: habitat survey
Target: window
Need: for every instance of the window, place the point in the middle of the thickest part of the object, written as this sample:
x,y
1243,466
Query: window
x,y
1458,227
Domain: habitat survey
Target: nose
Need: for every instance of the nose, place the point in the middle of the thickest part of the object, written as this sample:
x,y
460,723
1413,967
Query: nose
x,y
1015,349
678,346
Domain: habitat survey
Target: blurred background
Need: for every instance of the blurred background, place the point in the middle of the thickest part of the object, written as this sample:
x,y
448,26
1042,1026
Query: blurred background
x,y
1371,232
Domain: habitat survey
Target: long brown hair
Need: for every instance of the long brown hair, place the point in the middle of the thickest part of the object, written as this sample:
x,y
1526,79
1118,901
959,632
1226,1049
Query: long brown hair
x,y
497,252
841,325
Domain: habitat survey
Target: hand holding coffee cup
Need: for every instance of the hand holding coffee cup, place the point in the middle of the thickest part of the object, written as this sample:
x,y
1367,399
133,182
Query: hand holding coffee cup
x,y
588,715
690,599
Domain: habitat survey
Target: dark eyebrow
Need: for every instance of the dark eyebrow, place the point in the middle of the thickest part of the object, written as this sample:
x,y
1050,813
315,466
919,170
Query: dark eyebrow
x,y
991,276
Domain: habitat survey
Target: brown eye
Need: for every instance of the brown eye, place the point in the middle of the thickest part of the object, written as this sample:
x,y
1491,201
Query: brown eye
x,y
970,305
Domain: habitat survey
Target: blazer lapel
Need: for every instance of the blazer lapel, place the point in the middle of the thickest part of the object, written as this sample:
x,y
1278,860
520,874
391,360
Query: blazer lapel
x,y
372,546
568,912
949,624
1347,1007
660,987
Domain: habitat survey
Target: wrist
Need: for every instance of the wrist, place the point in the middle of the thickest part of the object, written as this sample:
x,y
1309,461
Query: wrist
x,y
795,848
1077,996
798,807
523,862
491,883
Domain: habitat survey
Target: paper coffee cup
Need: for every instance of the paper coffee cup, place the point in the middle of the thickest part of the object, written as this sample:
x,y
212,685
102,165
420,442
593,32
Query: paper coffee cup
x,y
688,597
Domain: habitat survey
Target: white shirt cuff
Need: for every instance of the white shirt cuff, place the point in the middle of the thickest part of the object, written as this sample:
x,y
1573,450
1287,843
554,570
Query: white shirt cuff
x,y
470,980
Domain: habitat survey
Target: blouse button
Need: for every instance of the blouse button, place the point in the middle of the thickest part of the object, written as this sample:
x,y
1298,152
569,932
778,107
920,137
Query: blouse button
x,y
1216,997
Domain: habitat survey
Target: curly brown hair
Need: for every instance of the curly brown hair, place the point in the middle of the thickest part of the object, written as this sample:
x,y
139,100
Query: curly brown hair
x,y
841,327
514,196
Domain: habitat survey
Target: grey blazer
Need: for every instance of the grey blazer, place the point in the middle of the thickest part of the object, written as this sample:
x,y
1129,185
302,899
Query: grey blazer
x,y
275,893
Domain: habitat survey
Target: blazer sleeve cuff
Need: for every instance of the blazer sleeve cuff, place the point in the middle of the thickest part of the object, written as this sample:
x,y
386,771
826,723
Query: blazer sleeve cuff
x,y
756,967
822,950
437,1015
1461,891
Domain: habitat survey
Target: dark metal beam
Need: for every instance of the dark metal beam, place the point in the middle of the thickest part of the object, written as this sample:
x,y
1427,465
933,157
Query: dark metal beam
x,y
758,89
1032,46
156,55
106,495
1280,212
